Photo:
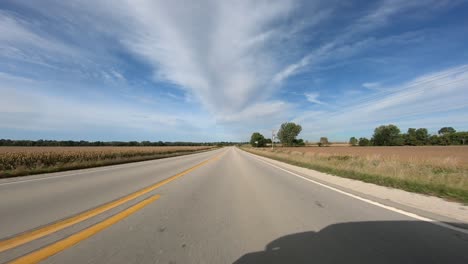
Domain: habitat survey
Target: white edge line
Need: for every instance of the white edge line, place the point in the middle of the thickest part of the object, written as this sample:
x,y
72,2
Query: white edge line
x,y
112,167
403,212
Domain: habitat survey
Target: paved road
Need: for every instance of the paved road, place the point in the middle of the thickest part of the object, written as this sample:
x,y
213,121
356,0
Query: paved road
x,y
232,208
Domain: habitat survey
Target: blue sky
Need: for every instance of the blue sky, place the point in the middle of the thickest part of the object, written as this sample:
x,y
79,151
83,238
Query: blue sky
x,y
220,70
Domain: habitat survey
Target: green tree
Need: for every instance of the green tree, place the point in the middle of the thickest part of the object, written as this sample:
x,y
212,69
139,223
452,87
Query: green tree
x,y
364,142
459,138
323,142
434,140
445,140
353,141
410,137
422,136
299,142
288,133
388,135
257,140
133,143
446,130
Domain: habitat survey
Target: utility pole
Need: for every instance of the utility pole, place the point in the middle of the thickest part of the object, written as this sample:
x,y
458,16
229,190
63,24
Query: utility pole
x,y
272,138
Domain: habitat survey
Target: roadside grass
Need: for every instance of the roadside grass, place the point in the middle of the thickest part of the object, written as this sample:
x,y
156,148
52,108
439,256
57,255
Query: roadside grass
x,y
444,178
29,163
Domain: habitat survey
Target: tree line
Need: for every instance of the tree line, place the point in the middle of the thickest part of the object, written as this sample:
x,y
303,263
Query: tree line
x,y
386,135
83,143
390,135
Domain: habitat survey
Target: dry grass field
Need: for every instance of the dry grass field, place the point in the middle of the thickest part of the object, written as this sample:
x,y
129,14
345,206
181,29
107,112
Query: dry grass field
x,y
15,161
457,155
437,170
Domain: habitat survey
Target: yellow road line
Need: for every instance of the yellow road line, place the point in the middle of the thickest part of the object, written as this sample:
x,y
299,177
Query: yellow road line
x,y
49,229
74,239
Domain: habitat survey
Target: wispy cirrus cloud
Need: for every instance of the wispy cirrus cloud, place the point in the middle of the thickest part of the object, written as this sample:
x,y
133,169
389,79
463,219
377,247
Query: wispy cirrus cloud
x,y
313,98
371,85
352,38
17,31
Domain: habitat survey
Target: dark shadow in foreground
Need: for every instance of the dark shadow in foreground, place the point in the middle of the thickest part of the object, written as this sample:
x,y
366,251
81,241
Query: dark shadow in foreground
x,y
367,242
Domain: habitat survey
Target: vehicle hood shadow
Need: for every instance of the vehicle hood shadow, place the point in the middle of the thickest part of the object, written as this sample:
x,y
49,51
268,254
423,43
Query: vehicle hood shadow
x,y
367,242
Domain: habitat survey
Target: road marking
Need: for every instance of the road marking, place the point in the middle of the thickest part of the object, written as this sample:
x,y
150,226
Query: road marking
x,y
110,167
403,212
74,239
49,229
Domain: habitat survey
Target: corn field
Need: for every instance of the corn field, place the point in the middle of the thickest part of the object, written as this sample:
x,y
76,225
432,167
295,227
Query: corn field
x,y
26,160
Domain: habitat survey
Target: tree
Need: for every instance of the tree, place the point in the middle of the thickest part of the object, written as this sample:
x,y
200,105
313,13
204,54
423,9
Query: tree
x,y
422,136
446,130
417,137
458,138
288,133
410,137
363,142
388,135
353,141
434,140
299,142
323,142
445,140
257,140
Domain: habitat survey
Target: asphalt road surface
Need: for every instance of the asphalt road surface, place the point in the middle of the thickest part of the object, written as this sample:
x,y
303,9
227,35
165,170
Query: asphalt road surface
x,y
221,206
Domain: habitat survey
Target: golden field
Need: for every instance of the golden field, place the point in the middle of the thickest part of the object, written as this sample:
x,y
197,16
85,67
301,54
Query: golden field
x,y
16,161
456,155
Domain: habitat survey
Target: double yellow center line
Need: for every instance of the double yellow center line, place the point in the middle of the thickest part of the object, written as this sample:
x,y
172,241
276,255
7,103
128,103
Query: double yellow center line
x,y
74,239
52,249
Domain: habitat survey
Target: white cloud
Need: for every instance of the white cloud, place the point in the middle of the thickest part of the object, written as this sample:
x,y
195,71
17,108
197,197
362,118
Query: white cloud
x,y
371,85
212,49
257,112
313,57
291,69
313,98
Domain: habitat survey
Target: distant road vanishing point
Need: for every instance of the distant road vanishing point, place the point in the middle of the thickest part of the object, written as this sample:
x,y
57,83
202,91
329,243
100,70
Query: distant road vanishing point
x,y
220,206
